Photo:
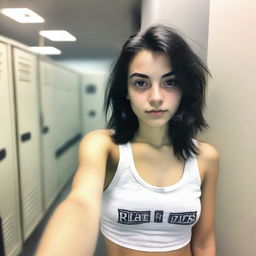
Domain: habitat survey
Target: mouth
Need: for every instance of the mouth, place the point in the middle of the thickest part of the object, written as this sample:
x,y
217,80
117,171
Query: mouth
x,y
156,113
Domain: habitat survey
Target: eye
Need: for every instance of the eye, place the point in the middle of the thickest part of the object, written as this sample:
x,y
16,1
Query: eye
x,y
140,83
170,82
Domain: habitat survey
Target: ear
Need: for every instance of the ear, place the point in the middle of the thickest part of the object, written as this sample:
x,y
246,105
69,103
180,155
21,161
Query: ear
x,y
127,97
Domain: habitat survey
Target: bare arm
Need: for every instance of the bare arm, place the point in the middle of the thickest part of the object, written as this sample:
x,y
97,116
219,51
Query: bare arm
x,y
203,237
73,228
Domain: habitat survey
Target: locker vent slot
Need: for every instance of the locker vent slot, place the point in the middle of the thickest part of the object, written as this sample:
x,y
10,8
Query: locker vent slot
x,y
24,69
10,239
30,208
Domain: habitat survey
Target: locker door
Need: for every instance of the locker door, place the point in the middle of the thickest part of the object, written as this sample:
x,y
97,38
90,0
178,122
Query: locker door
x,y
67,113
9,197
92,102
50,172
27,107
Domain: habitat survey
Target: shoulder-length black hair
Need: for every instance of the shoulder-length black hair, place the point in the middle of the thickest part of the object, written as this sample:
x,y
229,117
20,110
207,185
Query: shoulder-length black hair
x,y
191,74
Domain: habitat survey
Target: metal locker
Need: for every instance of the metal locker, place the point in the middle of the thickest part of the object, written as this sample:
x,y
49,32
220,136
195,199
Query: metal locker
x,y
67,111
49,133
9,197
92,102
62,103
27,108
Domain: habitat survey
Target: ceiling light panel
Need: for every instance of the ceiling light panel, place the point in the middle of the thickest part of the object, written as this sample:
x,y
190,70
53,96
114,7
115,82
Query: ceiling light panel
x,y
22,15
45,50
57,35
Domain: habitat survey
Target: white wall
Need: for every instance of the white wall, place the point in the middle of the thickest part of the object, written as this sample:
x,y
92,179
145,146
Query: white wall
x,y
231,113
189,17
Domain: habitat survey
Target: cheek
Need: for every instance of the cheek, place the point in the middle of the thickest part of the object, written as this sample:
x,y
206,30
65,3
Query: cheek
x,y
134,98
175,97
135,104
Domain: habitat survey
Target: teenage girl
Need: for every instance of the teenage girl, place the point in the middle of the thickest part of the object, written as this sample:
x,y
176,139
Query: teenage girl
x,y
145,181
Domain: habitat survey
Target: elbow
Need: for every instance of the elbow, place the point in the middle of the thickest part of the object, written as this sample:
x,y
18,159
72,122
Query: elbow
x,y
205,245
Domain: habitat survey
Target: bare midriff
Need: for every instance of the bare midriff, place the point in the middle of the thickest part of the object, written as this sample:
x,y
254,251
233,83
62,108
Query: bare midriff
x,y
113,249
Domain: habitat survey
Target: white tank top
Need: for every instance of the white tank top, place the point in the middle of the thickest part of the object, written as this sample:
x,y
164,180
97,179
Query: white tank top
x,y
140,216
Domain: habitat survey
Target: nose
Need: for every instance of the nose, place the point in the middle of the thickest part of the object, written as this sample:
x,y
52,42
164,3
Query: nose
x,y
156,96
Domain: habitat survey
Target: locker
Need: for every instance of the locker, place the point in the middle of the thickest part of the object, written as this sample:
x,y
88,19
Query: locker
x,y
28,126
49,133
9,192
61,114
92,102
68,124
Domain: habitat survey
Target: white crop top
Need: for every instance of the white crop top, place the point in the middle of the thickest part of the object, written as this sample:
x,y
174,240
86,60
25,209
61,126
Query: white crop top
x,y
140,216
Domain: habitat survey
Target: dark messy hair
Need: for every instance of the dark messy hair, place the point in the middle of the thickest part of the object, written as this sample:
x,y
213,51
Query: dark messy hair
x,y
191,74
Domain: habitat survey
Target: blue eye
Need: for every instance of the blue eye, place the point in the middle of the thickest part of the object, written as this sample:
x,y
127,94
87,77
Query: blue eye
x,y
140,83
170,82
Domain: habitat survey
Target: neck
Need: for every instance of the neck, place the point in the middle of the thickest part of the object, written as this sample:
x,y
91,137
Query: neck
x,y
155,136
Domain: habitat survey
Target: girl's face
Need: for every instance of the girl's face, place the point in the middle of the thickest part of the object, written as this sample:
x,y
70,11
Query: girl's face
x,y
152,88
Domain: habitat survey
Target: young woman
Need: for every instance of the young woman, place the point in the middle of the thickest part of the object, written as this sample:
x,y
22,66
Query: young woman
x,y
146,181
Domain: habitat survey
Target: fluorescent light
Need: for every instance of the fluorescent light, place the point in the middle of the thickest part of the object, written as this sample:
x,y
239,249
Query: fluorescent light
x,y
22,15
57,35
45,50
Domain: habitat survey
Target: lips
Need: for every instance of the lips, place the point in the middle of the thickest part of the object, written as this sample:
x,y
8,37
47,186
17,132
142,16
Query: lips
x,y
156,113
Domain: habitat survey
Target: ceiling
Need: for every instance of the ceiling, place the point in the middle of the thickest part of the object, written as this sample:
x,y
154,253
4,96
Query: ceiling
x,y
100,26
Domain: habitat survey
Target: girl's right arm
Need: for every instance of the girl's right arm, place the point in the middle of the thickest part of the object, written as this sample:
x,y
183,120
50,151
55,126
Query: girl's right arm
x,y
73,228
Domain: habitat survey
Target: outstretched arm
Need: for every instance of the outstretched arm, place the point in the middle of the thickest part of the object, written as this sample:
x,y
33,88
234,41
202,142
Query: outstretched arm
x,y
73,228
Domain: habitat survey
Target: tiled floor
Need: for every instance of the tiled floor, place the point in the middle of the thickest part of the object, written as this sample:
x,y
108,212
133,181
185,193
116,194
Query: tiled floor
x,y
30,245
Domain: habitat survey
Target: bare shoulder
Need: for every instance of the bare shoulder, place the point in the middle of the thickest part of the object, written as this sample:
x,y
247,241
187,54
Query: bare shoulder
x,y
98,134
208,152
97,139
88,182
208,160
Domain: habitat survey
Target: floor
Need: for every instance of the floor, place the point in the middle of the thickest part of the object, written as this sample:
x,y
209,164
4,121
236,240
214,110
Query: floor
x,y
30,245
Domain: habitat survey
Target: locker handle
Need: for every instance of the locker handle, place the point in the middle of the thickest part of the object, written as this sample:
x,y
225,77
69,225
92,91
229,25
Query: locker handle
x,y
25,136
2,154
68,145
45,129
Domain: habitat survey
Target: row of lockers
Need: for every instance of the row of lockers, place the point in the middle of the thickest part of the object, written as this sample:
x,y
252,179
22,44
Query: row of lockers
x,y
40,128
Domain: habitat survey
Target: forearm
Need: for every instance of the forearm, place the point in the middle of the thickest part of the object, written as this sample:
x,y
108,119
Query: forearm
x,y
72,230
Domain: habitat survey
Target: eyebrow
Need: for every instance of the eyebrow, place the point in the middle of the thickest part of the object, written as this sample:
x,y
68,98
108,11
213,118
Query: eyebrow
x,y
146,76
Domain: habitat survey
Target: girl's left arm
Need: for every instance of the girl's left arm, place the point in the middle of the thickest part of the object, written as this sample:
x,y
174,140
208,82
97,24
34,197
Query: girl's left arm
x,y
203,235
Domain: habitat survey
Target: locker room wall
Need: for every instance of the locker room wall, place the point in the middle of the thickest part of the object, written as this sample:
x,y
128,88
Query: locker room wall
x,y
190,18
231,112
9,192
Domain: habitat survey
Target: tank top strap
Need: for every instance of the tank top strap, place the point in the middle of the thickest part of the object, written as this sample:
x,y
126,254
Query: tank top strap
x,y
121,167
123,153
